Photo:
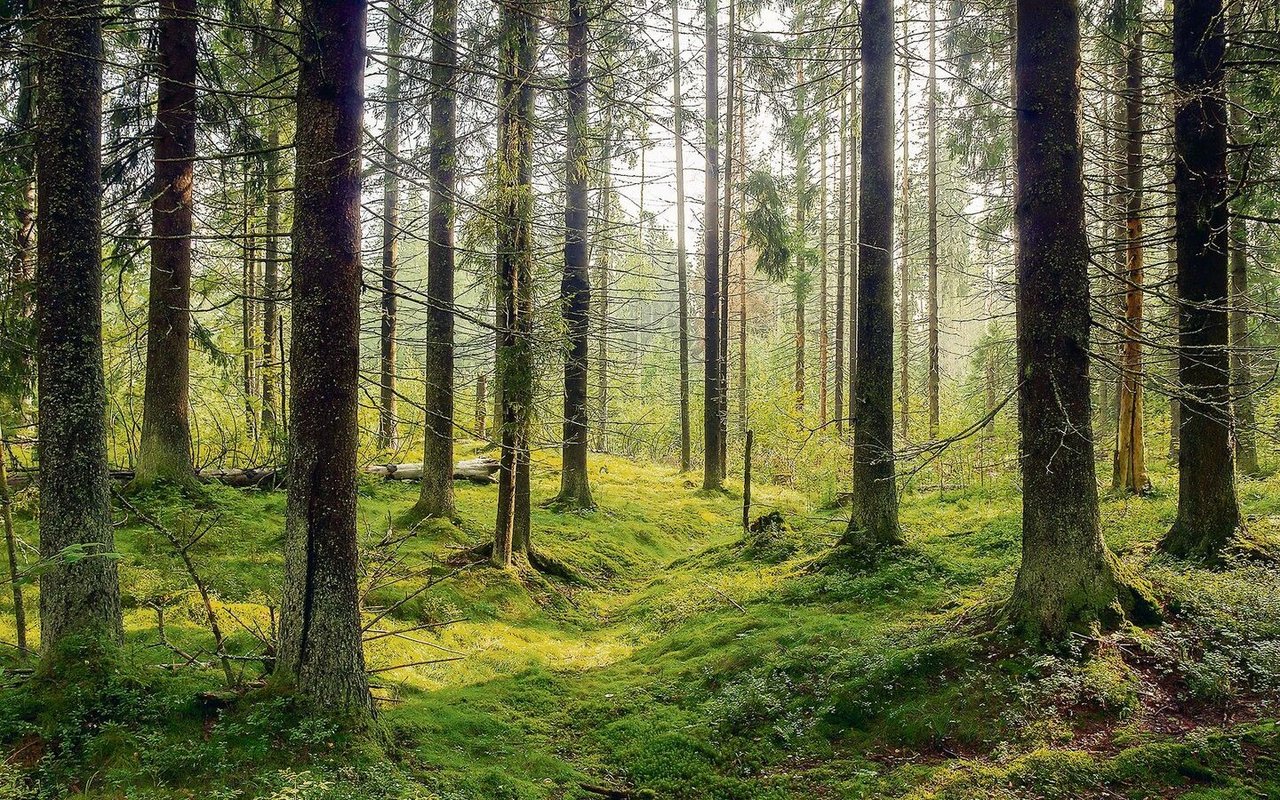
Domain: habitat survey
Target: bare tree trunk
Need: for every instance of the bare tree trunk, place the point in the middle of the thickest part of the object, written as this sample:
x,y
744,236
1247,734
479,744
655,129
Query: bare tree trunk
x,y
1067,577
682,269
1208,513
165,450
575,286
1131,460
11,548
517,45
800,280
271,407
76,594
742,270
1246,450
824,341
16,324
435,495
603,250
726,249
904,276
873,522
842,246
390,234
855,227
321,648
935,366
712,474
248,289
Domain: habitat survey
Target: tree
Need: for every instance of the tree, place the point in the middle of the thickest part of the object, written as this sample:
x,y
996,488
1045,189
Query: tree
x,y
932,100
712,474
1131,461
391,234
517,44
575,286
1246,447
435,497
682,269
320,633
1067,575
874,519
1208,513
77,595
272,408
842,192
164,451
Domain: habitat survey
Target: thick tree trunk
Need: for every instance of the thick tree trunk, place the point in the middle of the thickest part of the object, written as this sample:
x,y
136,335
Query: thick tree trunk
x,y
390,234
165,448
1208,514
1131,459
873,522
82,594
682,268
575,286
435,497
842,245
517,43
320,633
1067,576
712,474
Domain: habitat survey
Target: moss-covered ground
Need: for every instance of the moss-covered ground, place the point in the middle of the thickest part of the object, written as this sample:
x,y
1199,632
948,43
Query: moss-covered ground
x,y
689,661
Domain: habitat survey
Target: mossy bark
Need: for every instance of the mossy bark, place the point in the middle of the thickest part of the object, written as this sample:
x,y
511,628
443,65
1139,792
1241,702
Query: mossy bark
x,y
1208,512
165,448
575,285
320,634
81,595
435,497
1067,576
873,523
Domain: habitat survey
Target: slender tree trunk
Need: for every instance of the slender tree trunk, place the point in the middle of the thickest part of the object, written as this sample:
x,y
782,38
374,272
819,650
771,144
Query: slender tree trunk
x,y
935,366
1208,514
165,449
726,249
855,227
1067,576
435,495
904,276
248,289
682,268
81,594
842,246
575,286
824,341
272,408
11,548
390,235
874,519
517,43
603,277
742,268
712,475
1246,450
801,279
17,323
1131,460
321,647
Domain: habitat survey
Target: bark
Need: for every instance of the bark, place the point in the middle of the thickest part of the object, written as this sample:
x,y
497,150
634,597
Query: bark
x,y
248,289
603,277
742,273
1246,450
726,249
1131,460
320,633
1208,513
712,474
575,286
1067,576
824,342
682,268
873,522
517,42
81,595
435,497
801,278
932,92
165,448
390,235
272,408
904,276
842,192
854,247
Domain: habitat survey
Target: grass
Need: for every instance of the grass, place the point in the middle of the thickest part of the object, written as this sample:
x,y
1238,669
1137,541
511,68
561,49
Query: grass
x,y
691,662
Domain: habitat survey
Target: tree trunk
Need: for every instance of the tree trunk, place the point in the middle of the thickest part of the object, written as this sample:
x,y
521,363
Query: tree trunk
x,y
726,249
517,42
1131,460
76,594
16,325
934,356
1208,514
435,496
165,449
744,423
855,115
320,633
1246,450
712,475
842,195
248,288
272,408
824,341
904,276
800,285
575,286
873,522
603,277
1067,576
390,235
682,268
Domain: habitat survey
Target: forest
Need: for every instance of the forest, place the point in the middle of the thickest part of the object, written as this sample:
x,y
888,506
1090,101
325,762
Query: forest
x,y
622,399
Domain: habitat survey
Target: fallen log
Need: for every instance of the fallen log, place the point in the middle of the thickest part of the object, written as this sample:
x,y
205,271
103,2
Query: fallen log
x,y
476,470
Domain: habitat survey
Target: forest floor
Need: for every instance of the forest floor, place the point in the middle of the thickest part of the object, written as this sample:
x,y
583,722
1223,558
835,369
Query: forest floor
x,y
690,661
